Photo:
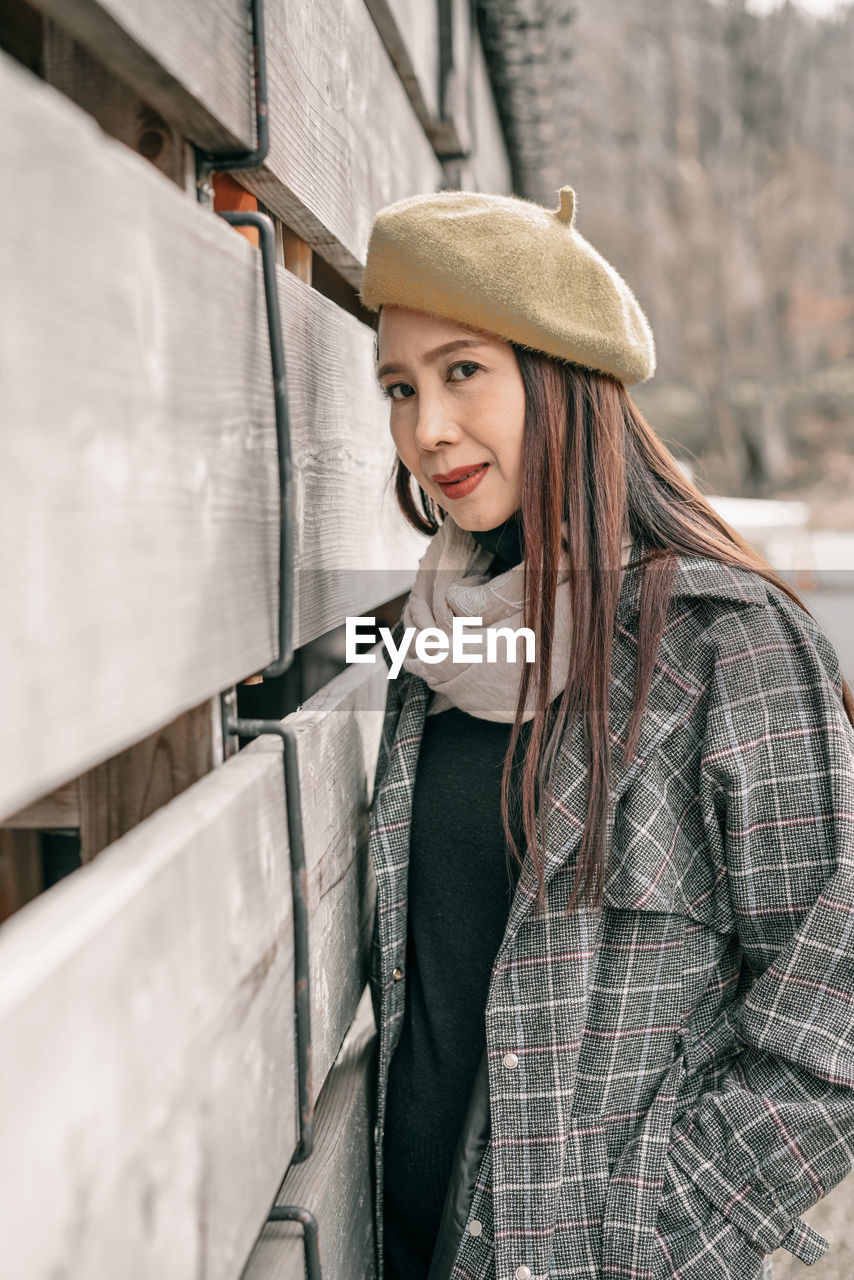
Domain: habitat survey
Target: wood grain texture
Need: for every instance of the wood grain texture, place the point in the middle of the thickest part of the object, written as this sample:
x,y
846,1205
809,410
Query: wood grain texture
x,y
61,808
117,795
354,548
20,870
335,1183
329,166
410,33
344,137
192,60
433,58
138,489
296,253
338,733
147,1019
118,108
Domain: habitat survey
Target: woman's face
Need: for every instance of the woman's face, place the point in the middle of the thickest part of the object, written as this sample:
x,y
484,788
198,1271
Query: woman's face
x,y
457,404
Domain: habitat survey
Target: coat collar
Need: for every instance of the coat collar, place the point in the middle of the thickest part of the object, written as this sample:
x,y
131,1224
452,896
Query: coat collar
x,y
695,577
673,694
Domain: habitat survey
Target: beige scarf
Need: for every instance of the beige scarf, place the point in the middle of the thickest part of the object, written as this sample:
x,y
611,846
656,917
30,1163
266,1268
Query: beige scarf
x,y
452,581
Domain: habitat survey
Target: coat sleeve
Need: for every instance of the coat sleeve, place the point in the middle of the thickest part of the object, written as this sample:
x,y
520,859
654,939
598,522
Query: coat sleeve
x,y
778,793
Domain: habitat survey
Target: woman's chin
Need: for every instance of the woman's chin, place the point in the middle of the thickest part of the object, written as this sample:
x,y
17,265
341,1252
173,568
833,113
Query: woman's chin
x,y
478,523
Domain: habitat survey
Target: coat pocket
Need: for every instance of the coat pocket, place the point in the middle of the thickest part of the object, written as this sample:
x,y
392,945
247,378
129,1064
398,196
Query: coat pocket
x,y
635,1187
577,1240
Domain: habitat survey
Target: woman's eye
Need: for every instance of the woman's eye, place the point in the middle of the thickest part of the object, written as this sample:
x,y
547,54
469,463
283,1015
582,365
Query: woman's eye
x,y
388,392
464,364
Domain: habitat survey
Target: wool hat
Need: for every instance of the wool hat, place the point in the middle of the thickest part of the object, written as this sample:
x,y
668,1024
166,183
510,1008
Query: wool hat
x,y
512,268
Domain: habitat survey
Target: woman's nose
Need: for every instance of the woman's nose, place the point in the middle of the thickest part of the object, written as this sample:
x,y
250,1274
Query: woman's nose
x,y
433,427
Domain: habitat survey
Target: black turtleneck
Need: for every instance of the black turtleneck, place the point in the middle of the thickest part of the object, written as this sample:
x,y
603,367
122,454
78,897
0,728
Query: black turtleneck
x,y
460,870
506,542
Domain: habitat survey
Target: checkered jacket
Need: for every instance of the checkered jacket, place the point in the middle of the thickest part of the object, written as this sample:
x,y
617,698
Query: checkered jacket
x,y
671,1076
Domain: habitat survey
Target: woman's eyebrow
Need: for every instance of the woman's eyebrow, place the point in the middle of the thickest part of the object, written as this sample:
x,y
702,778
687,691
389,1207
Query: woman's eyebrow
x,y
435,354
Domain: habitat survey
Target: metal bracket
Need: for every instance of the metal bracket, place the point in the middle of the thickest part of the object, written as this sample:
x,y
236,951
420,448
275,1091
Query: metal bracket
x,y
208,162
267,241
299,890
311,1238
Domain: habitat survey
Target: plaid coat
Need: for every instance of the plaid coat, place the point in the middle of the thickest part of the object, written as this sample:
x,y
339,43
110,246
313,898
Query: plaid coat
x,y
671,1076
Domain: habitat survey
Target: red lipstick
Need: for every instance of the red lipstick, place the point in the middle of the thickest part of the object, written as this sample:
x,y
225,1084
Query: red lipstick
x,y
461,481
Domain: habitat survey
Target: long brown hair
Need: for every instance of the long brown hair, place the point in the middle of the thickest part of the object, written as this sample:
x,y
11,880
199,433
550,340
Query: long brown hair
x,y
591,462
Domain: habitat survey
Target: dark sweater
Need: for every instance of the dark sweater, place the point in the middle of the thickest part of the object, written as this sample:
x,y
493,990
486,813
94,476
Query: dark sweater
x,y
461,881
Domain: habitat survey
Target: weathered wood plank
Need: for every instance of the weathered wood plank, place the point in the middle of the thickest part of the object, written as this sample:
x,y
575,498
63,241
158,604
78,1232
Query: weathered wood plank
x,y
138,490
433,47
21,33
385,65
338,733
119,110
410,33
117,795
329,167
452,133
335,1183
61,808
354,548
488,169
296,254
190,60
20,870
344,138
133,380
147,1023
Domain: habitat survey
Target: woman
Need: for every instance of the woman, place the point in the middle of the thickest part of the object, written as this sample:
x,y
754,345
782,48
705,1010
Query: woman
x,y
612,965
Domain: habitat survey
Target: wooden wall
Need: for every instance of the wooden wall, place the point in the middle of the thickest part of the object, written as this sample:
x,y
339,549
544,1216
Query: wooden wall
x,y
148,997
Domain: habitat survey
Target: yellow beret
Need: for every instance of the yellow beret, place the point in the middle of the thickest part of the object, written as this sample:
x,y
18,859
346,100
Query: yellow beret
x,y
509,267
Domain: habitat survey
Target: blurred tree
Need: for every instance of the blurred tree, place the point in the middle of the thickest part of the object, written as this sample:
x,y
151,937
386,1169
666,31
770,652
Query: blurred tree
x,y
712,153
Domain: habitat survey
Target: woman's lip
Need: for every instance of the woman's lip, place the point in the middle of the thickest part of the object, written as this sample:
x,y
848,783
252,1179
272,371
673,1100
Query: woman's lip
x,y
450,477
461,488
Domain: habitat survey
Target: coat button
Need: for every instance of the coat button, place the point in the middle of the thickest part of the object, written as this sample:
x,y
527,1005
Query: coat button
x,y
475,1227
510,1061
522,1273
397,975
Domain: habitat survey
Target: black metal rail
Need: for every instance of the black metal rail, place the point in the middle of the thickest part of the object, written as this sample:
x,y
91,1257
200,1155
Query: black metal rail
x,y
295,1213
299,890
208,162
267,241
